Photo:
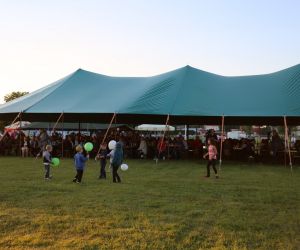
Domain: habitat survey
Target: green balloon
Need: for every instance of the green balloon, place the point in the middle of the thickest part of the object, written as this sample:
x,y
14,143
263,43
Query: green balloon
x,y
55,162
88,146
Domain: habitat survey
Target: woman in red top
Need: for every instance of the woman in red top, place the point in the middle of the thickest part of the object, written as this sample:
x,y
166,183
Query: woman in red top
x,y
212,153
161,149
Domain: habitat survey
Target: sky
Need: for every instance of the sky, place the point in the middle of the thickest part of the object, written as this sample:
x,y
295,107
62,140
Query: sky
x,y
43,41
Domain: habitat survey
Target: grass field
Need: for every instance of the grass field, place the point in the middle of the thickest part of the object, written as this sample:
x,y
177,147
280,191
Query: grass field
x,y
164,206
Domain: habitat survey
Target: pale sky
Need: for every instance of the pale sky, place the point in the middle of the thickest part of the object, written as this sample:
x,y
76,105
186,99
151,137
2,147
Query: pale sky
x,y
42,41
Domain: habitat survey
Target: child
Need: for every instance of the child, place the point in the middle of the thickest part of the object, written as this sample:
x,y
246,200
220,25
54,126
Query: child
x,y
47,160
116,159
102,156
80,160
212,157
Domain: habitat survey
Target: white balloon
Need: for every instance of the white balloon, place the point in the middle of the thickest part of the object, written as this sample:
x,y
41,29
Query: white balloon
x,y
124,167
112,144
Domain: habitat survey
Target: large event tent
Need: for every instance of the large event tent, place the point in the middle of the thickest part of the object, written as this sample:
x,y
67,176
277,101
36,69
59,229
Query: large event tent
x,y
188,95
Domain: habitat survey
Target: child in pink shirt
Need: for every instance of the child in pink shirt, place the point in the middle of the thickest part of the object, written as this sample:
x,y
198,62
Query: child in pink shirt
x,y
212,158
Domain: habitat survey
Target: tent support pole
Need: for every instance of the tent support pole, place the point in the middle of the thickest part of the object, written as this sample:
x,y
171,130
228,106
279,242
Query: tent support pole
x,y
55,125
285,147
168,147
20,135
116,127
53,129
62,136
221,145
16,118
106,133
163,137
167,132
288,142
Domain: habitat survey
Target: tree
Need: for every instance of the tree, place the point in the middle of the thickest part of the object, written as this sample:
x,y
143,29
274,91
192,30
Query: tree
x,y
13,95
9,97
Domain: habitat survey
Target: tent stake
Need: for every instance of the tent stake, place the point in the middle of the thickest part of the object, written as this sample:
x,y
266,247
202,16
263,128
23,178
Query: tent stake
x,y
221,146
288,142
105,135
10,125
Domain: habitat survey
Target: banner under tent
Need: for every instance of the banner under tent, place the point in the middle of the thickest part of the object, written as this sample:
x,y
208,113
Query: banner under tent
x,y
154,127
16,126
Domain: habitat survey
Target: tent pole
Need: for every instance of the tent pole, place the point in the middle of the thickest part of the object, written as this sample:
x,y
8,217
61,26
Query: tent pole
x,y
288,142
163,138
10,125
62,137
116,128
285,147
105,135
221,146
20,136
53,129
55,125
167,132
168,146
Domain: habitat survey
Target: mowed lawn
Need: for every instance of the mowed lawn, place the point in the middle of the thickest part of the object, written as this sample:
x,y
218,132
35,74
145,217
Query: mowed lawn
x,y
165,206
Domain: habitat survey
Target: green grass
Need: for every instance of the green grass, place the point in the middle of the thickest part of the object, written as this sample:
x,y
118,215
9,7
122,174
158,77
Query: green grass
x,y
164,206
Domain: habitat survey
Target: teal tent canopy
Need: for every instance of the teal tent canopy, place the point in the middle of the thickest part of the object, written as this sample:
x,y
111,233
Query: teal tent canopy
x,y
188,95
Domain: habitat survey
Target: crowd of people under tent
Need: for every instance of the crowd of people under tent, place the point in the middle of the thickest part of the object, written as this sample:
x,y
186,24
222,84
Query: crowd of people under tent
x,y
146,146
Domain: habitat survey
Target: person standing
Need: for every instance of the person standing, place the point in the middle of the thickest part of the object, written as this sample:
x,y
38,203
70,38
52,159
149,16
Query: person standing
x,y
161,149
25,147
116,159
276,145
80,160
47,161
198,147
102,156
212,158
142,150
